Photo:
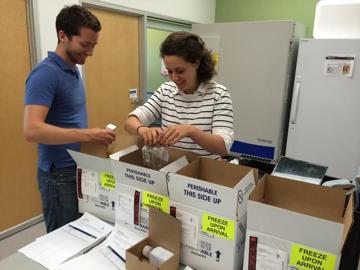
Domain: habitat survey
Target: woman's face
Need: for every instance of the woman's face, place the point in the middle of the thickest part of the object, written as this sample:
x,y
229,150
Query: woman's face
x,y
182,73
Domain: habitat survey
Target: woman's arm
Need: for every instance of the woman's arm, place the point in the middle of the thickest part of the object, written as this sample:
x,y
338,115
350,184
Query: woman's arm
x,y
212,143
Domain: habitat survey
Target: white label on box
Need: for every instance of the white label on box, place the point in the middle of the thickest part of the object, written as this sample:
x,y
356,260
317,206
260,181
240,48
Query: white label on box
x,y
189,226
89,182
269,258
125,211
144,217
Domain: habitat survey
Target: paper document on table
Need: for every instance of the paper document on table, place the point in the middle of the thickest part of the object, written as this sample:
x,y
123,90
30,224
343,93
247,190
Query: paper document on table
x,y
122,238
68,241
100,257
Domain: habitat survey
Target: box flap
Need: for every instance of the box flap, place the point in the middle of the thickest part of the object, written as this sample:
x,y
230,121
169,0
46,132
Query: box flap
x,y
210,185
348,219
165,229
214,171
123,152
101,150
318,201
140,177
294,227
129,170
176,165
90,162
245,187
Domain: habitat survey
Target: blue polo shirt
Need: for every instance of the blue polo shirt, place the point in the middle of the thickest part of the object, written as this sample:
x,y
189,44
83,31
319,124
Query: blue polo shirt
x,y
52,83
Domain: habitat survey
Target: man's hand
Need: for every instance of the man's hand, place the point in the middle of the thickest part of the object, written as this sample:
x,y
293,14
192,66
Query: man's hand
x,y
100,136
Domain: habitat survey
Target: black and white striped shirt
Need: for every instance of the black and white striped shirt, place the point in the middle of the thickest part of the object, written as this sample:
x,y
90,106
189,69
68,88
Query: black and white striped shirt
x,y
209,108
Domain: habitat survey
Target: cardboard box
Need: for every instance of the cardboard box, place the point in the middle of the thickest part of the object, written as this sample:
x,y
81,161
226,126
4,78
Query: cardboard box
x,y
164,231
141,187
209,197
95,182
295,224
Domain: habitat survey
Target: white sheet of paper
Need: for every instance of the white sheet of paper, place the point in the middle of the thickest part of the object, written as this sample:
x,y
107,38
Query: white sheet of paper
x,y
89,182
189,228
269,258
68,241
122,238
97,258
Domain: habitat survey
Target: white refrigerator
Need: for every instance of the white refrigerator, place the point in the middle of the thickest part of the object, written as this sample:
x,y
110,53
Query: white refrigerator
x,y
324,125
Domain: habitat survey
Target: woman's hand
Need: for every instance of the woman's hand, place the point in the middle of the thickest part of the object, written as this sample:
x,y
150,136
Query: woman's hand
x,y
172,134
149,135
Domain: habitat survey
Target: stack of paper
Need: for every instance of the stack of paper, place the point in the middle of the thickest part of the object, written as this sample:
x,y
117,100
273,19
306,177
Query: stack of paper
x,y
68,241
109,255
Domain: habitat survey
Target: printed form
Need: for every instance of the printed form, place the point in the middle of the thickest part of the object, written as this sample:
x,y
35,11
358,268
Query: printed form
x,y
68,241
109,255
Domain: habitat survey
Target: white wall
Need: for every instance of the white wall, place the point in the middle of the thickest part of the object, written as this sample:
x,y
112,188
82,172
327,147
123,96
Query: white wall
x,y
199,11
45,11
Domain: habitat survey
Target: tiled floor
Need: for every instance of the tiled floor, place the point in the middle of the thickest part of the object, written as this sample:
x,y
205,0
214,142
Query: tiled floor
x,y
12,243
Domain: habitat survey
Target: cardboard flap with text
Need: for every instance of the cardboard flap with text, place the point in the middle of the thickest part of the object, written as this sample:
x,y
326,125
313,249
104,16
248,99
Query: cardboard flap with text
x,y
129,170
300,212
213,186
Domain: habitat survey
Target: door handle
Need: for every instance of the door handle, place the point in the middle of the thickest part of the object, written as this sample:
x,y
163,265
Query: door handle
x,y
295,104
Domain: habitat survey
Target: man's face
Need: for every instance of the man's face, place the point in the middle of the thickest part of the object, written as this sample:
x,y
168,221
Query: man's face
x,y
78,47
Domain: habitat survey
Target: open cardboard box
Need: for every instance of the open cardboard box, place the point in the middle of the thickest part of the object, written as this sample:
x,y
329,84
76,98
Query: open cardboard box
x,y
284,214
130,170
210,198
164,231
215,186
139,186
95,182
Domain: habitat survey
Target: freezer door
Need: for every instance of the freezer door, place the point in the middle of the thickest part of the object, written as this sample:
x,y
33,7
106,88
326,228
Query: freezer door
x,y
324,125
255,64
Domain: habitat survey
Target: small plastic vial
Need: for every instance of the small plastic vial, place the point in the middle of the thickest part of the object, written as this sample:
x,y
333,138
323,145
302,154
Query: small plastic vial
x,y
156,157
147,155
165,156
156,255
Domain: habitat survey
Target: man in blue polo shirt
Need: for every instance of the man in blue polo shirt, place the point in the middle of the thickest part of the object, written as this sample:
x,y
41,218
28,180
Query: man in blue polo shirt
x,y
55,114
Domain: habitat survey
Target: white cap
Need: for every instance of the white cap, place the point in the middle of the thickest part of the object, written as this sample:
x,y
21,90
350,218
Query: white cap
x,y
110,127
146,251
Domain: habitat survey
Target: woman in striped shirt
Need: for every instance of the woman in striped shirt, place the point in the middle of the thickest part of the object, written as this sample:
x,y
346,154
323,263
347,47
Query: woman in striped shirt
x,y
196,113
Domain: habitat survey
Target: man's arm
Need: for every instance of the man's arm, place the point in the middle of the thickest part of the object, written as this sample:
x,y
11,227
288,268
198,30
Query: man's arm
x,y
36,130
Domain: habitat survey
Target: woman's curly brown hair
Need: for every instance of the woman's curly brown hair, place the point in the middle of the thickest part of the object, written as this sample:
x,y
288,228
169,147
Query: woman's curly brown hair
x,y
192,49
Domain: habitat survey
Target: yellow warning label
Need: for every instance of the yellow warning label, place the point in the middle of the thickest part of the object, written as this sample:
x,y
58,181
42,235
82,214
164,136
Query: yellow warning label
x,y
156,201
107,180
218,226
307,258
215,57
